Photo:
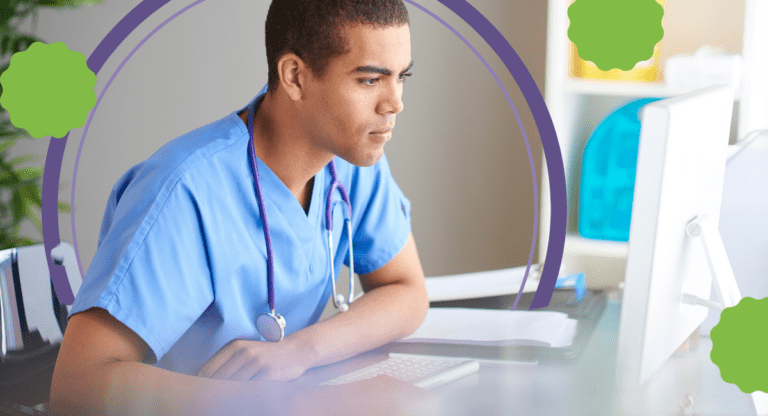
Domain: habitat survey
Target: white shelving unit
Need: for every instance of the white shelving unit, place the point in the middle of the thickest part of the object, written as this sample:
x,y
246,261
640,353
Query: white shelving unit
x,y
576,107
618,89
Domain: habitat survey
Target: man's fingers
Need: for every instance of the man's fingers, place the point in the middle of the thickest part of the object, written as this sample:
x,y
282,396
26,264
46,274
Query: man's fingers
x,y
252,360
247,371
238,361
263,374
212,367
218,359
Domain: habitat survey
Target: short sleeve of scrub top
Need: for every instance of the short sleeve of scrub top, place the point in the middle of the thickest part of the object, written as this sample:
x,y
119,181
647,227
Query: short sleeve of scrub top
x,y
383,222
181,259
151,269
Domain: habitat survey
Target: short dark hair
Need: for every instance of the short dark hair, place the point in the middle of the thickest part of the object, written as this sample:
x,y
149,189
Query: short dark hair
x,y
313,29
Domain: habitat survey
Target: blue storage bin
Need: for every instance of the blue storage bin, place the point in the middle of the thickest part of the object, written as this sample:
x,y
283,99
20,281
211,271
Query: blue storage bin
x,y
608,175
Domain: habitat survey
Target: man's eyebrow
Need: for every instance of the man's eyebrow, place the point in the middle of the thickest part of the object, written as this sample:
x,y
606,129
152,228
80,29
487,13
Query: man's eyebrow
x,y
378,70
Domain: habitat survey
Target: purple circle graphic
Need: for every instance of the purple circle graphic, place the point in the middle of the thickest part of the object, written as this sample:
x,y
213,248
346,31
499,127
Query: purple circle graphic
x,y
549,143
469,14
55,155
525,139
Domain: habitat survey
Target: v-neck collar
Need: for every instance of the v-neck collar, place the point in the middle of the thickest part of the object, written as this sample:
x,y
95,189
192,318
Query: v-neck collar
x,y
285,203
283,209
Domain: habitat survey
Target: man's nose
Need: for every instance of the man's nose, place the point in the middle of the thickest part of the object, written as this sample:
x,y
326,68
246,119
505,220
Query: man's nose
x,y
392,102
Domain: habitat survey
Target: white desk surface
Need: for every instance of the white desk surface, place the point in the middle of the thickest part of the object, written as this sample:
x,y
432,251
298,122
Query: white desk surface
x,y
584,387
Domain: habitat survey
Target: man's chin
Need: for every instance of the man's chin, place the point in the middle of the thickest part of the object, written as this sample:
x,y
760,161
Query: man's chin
x,y
365,160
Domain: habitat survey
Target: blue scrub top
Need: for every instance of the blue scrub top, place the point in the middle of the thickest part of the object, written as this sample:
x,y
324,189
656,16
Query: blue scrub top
x,y
181,258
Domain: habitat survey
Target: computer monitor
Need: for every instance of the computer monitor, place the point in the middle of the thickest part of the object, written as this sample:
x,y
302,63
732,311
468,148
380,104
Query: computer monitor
x,y
675,250
742,218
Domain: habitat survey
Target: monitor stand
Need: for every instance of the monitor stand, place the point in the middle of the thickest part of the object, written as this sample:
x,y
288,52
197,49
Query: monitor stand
x,y
725,285
722,274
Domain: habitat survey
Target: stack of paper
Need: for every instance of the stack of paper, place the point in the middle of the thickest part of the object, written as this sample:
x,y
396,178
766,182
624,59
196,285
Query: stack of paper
x,y
482,284
495,327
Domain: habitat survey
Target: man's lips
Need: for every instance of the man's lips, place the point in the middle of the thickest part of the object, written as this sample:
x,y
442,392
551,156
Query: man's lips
x,y
384,131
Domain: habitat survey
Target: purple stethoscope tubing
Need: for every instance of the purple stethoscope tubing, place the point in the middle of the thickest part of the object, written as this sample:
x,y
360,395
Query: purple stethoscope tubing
x,y
338,300
262,211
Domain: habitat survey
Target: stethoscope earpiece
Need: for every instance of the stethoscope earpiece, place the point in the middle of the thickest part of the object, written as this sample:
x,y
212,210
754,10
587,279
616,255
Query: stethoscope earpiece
x,y
343,307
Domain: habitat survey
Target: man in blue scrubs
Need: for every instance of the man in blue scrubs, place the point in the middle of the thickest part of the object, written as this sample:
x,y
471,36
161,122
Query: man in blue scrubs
x,y
165,320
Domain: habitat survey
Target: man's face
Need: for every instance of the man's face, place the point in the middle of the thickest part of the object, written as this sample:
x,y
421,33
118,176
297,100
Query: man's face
x,y
350,111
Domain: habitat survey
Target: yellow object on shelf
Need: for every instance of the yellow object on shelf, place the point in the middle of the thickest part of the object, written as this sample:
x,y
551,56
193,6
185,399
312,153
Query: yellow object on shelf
x,y
647,70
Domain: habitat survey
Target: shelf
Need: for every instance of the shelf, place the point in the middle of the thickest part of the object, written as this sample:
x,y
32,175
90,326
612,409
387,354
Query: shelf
x,y
603,262
576,244
621,88
577,106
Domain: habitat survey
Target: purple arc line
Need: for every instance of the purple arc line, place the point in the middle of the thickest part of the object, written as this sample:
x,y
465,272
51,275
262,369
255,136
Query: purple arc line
x,y
50,217
470,15
55,155
525,138
134,23
549,143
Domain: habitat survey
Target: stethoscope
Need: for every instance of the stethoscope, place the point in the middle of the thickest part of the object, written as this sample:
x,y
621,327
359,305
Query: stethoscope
x,y
271,325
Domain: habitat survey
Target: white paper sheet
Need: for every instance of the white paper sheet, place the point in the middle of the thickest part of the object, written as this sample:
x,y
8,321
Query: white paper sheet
x,y
495,327
482,284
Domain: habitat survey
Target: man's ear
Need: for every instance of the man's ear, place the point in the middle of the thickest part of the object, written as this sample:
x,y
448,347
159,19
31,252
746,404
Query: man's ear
x,y
292,72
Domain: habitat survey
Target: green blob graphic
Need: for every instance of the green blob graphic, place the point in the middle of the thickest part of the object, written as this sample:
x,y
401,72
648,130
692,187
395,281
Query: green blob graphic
x,y
738,345
48,90
615,33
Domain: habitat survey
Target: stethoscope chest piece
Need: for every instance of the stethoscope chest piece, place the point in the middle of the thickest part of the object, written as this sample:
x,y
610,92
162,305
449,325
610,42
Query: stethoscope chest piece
x,y
271,326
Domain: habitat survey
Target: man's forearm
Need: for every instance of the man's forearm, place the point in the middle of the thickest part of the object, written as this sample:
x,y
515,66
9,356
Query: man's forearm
x,y
380,316
133,388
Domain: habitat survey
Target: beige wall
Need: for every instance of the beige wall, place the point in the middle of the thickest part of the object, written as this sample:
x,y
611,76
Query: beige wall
x,y
689,24
466,167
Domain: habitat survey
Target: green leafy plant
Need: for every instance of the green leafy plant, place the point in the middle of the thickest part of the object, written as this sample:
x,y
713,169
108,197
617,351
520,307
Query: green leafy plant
x,y
20,184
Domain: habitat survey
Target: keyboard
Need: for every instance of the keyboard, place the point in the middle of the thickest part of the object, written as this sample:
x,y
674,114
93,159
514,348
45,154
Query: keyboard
x,y
422,371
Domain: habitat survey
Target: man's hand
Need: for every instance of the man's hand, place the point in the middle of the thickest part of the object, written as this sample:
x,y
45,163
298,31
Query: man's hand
x,y
258,360
393,306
